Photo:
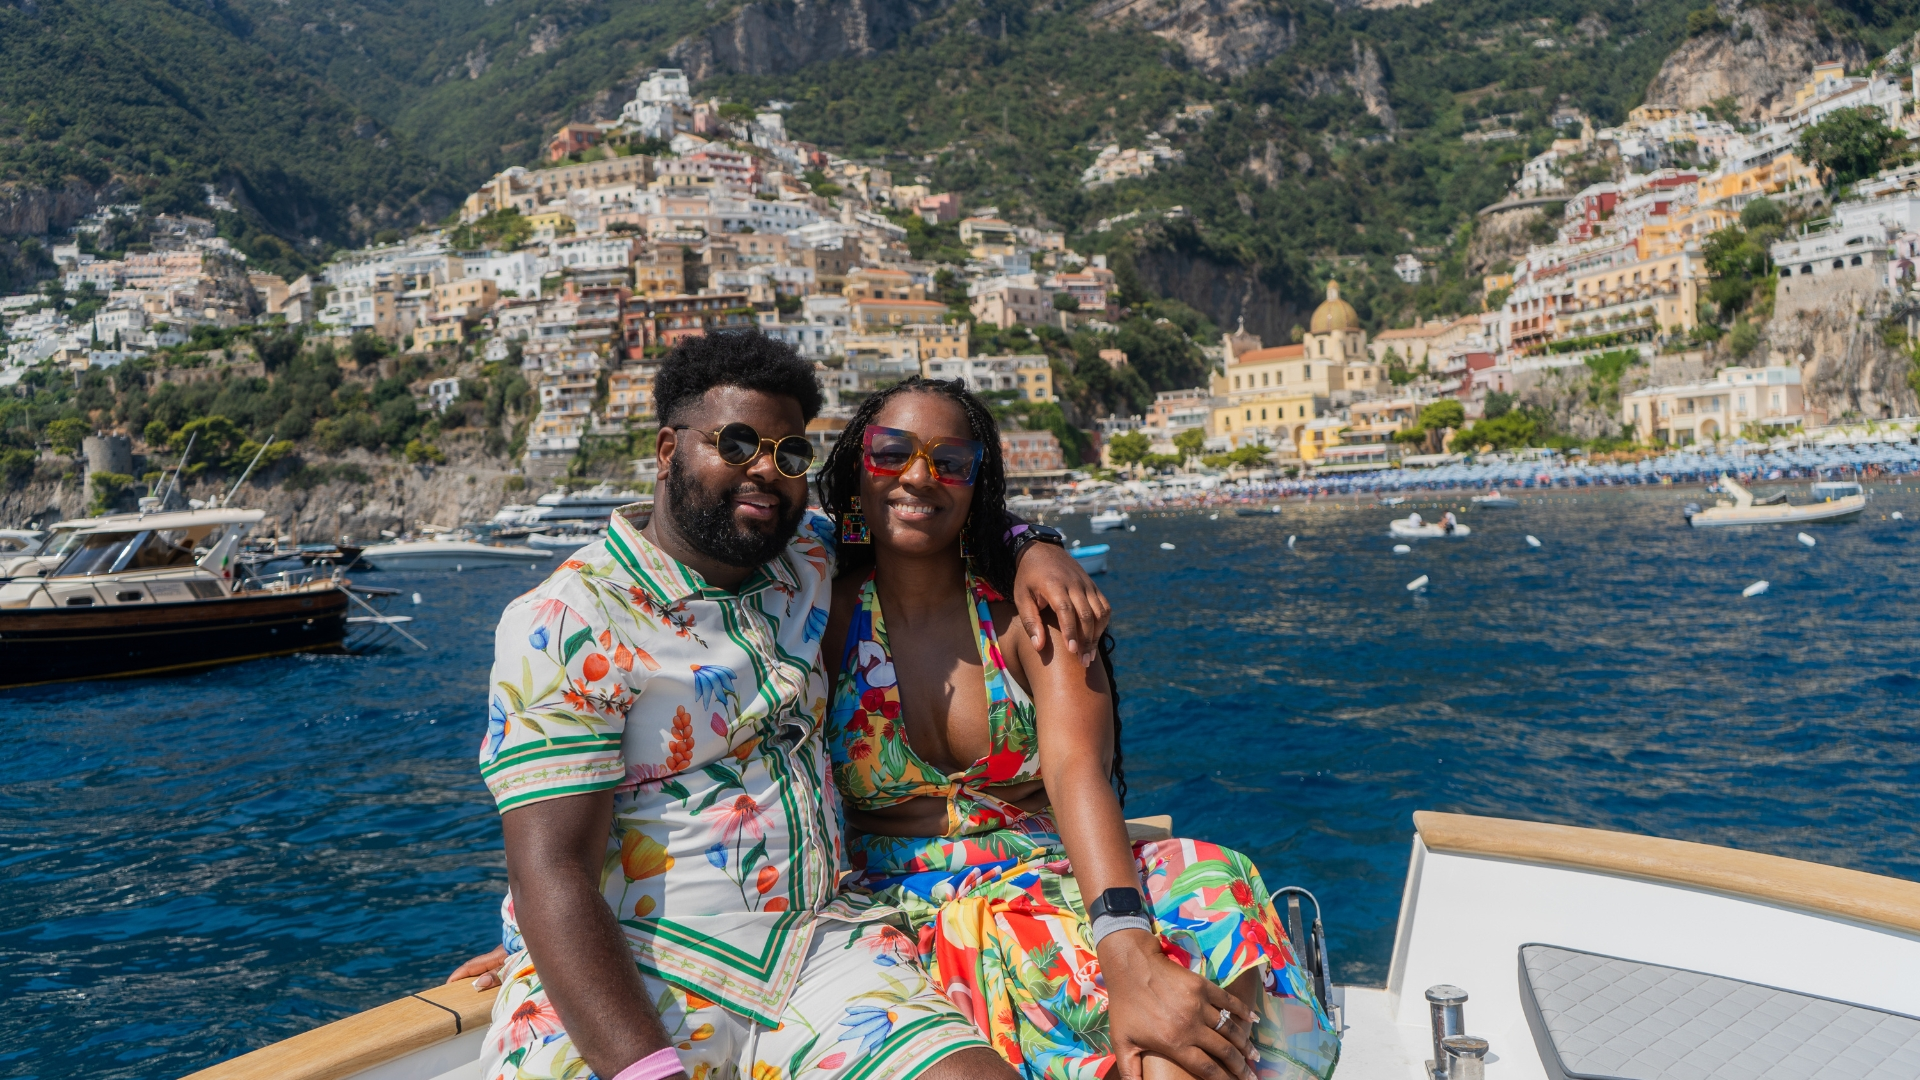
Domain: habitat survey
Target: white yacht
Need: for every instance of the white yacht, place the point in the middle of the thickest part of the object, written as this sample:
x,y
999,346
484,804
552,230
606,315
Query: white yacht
x,y
441,554
1525,951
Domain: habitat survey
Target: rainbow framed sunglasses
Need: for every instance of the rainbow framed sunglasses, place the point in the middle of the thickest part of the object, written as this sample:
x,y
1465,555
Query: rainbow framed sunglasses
x,y
890,452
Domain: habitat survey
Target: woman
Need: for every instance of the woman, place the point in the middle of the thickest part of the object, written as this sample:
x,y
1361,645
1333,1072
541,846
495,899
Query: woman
x,y
977,771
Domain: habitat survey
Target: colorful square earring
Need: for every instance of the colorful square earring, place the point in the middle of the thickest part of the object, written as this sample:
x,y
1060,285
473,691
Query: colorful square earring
x,y
853,525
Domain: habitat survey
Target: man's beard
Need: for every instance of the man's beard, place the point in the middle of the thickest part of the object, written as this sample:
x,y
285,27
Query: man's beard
x,y
706,521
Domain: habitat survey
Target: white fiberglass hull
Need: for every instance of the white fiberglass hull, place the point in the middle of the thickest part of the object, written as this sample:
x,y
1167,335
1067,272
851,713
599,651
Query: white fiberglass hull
x,y
448,555
1782,514
1478,891
1102,523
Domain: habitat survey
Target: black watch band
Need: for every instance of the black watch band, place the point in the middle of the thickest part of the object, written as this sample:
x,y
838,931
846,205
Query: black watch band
x,y
1037,534
1120,901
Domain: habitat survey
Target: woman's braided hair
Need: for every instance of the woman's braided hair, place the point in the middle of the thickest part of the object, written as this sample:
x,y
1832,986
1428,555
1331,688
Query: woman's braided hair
x,y
987,521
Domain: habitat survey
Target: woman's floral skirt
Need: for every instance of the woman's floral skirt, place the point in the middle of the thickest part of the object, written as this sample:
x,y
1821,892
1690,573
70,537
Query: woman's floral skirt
x,y
1003,932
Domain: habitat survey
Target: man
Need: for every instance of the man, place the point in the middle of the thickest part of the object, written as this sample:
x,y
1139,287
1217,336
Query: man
x,y
653,747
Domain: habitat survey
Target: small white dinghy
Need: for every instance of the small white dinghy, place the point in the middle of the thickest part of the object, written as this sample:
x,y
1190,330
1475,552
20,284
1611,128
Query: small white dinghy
x,y
1495,499
1110,518
1413,528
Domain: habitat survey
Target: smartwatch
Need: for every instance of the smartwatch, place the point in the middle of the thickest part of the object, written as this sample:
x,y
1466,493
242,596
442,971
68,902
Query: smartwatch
x,y
1121,901
1020,536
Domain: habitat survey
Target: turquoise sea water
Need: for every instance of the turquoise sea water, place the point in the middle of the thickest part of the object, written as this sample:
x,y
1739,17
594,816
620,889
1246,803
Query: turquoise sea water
x,y
194,867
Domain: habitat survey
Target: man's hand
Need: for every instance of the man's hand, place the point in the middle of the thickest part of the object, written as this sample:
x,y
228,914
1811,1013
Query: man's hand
x,y
1048,578
1155,1006
487,969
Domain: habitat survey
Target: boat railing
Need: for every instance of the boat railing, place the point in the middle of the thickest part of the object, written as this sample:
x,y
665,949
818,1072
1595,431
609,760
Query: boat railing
x,y
1771,879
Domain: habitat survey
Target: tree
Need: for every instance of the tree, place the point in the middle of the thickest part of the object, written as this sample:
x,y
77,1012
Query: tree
x,y
1190,442
1848,143
1250,455
1761,211
1065,302
1446,413
1738,261
1128,448
1501,433
64,434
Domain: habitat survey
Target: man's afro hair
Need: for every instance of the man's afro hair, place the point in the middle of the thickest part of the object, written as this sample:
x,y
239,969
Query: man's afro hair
x,y
748,359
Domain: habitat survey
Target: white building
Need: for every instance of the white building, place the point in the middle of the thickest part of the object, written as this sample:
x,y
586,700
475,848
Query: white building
x,y
510,271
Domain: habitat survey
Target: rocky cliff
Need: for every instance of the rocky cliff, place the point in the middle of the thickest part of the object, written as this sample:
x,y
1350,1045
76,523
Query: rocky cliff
x,y
1758,58
778,37
1225,293
27,210
1224,38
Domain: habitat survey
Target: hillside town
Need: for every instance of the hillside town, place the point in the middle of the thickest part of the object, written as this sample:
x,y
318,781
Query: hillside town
x,y
684,216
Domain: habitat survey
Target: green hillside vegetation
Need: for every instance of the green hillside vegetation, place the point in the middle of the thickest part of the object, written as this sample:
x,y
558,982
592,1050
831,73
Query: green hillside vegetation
x,y
168,98
1291,175
307,401
475,86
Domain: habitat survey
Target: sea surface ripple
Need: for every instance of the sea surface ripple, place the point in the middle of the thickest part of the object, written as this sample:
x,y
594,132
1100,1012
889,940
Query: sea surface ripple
x,y
194,867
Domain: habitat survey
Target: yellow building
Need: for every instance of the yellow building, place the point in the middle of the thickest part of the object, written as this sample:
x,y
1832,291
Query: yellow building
x,y
872,314
1736,189
1036,381
554,221
1660,295
448,332
987,237
1690,226
630,394
943,340
465,298
1274,394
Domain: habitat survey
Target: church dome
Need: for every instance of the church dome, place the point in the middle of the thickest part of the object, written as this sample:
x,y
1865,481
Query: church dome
x,y
1335,314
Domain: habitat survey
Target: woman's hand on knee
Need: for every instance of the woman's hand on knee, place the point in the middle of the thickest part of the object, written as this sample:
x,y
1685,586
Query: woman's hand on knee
x,y
488,969
1155,1006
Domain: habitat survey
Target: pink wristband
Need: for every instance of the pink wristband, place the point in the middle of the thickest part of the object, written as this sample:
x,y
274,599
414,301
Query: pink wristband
x,y
655,1066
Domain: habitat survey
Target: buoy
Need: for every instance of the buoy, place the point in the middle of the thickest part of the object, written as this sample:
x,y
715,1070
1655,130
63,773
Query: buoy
x,y
1532,540
456,568
1807,540
1897,516
1755,589
416,598
1166,547
1401,549
1213,517
1290,541
1417,583
1133,528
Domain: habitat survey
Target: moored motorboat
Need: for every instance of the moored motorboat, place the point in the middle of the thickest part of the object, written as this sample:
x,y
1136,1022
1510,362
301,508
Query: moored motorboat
x,y
1412,527
52,548
439,554
1108,519
1624,943
1495,499
1257,511
143,594
1746,510
1092,557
